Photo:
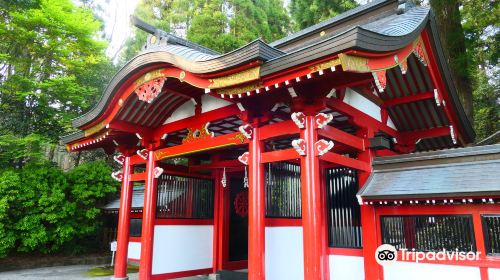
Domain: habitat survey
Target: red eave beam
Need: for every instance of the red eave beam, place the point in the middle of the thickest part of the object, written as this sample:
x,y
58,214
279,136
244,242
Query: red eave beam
x,y
359,117
196,121
408,99
129,127
413,136
346,161
340,136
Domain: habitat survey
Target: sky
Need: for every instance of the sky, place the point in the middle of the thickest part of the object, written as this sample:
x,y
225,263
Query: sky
x,y
116,16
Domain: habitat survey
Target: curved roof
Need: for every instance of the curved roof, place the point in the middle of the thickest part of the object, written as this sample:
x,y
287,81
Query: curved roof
x,y
379,26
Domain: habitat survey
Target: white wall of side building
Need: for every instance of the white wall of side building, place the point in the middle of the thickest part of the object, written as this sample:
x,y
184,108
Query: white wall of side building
x,y
346,267
284,253
494,273
182,248
134,250
419,271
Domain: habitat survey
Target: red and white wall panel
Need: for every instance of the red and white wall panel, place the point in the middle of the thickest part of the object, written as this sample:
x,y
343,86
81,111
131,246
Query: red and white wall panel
x,y
284,253
179,248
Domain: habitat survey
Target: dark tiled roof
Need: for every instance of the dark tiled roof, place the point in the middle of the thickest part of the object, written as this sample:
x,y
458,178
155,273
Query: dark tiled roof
x,y
464,172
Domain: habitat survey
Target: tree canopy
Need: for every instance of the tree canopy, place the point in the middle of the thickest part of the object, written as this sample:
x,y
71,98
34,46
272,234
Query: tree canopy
x,y
222,25
52,66
306,12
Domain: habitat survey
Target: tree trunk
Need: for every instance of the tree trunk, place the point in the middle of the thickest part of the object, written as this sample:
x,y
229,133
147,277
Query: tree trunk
x,y
450,30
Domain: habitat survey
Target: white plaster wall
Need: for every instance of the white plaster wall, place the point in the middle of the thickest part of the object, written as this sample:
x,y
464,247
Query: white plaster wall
x,y
390,123
134,250
209,103
419,271
361,103
186,110
182,247
284,253
494,273
346,267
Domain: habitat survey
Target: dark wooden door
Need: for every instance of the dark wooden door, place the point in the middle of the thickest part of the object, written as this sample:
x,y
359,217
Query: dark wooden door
x,y
238,220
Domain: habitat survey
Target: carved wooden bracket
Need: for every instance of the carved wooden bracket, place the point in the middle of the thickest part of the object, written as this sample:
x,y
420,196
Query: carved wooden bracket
x,y
157,172
322,146
300,146
299,119
244,158
246,130
120,159
322,119
143,154
118,176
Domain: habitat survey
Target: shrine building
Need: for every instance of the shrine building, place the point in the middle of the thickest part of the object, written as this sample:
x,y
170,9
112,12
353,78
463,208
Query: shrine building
x,y
297,159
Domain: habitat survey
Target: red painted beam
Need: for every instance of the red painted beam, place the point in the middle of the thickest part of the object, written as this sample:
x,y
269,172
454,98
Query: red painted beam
x,y
346,161
215,165
413,136
130,128
280,155
278,129
138,177
231,139
408,99
195,121
338,135
359,117
137,160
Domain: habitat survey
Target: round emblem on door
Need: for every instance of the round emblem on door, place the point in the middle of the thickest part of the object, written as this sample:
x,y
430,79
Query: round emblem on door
x,y
241,204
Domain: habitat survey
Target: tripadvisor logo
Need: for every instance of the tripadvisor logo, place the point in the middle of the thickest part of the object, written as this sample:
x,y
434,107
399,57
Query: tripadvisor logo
x,y
386,254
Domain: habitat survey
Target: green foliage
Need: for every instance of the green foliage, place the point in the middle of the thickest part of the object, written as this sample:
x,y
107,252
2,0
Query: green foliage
x,y
52,66
306,12
221,25
486,99
43,209
15,151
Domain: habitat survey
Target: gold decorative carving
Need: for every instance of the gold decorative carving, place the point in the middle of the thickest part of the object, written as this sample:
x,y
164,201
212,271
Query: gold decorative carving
x,y
197,133
354,63
182,75
95,128
158,73
325,65
240,89
236,78
239,137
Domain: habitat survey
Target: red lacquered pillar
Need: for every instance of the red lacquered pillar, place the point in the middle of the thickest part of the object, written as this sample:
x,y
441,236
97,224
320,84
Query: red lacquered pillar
x,y
123,223
148,220
256,226
313,212
373,270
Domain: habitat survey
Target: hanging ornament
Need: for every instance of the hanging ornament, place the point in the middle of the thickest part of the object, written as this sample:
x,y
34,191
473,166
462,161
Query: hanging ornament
x,y
223,181
245,180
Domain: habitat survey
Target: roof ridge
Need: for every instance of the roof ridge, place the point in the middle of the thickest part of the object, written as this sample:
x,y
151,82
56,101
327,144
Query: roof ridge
x,y
331,21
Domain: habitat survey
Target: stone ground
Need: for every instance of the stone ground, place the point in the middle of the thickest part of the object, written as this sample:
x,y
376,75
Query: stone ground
x,y
71,272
